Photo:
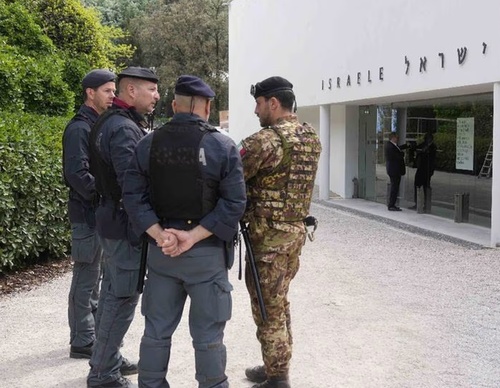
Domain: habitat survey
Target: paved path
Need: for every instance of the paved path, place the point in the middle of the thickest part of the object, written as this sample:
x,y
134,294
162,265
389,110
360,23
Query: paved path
x,y
373,305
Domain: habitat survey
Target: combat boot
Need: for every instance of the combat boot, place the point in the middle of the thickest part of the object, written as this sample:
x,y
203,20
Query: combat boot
x,y
256,374
81,351
122,382
274,382
127,368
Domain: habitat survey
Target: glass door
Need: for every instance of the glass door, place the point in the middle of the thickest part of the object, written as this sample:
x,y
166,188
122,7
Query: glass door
x,y
367,152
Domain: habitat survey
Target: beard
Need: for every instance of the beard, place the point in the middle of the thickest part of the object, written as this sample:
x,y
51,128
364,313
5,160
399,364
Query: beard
x,y
265,121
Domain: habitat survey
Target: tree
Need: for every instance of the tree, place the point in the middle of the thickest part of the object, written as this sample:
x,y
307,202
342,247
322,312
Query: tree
x,y
187,37
118,13
81,40
30,67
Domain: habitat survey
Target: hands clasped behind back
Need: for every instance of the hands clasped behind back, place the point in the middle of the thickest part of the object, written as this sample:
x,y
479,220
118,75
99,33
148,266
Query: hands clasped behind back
x,y
175,242
167,241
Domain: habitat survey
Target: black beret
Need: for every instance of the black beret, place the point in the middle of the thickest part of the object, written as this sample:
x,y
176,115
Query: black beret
x,y
189,85
97,77
270,85
139,72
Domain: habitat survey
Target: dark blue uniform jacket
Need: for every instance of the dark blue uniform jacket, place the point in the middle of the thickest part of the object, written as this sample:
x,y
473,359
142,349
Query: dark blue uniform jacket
x,y
223,164
116,143
81,183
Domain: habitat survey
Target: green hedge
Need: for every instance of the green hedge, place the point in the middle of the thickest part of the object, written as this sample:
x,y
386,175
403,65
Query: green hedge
x,y
31,70
33,212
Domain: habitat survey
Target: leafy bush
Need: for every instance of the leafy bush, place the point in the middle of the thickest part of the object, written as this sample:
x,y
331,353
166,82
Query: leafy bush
x,y
33,85
46,47
31,70
44,89
19,29
33,216
80,38
12,97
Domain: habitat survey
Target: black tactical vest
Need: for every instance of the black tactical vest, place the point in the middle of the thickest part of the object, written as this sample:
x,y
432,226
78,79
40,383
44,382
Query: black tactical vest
x,y
106,182
178,190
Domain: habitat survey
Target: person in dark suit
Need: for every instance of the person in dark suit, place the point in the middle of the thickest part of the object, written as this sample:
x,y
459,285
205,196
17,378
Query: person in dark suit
x,y
425,162
395,166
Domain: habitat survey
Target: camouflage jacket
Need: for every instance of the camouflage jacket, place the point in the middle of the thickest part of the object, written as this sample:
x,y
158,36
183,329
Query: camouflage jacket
x,y
280,164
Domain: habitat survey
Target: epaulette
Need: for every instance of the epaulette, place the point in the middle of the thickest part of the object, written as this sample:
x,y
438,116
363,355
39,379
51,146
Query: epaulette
x,y
207,127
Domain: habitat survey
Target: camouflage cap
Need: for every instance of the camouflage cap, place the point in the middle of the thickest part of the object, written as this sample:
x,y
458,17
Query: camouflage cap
x,y
270,85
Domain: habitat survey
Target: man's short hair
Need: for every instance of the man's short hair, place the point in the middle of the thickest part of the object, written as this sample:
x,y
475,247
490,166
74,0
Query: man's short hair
x,y
277,87
285,97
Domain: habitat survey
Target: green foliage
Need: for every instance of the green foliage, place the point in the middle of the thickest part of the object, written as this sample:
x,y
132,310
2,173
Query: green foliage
x,y
33,197
79,39
446,135
187,37
19,29
118,13
33,84
446,131
10,75
29,75
482,113
69,25
447,147
45,92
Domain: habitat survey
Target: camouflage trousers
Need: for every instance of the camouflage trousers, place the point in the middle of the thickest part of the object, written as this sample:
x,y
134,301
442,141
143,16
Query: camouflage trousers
x,y
277,267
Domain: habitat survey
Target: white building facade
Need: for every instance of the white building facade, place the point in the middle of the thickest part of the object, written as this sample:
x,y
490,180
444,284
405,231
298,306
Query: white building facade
x,y
362,69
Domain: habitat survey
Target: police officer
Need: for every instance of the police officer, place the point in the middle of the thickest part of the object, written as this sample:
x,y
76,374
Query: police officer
x,y
280,163
112,142
185,188
98,93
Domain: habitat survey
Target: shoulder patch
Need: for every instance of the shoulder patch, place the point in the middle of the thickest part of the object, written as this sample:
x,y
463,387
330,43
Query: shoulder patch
x,y
241,149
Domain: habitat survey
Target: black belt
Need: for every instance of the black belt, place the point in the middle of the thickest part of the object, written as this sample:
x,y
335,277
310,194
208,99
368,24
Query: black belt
x,y
180,224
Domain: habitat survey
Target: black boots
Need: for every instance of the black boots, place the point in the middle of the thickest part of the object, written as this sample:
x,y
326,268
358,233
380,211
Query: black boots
x,y
127,368
122,382
274,382
257,374
81,351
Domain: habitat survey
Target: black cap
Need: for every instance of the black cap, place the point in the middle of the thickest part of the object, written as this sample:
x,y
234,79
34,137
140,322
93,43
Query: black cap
x,y
270,85
139,72
190,85
97,77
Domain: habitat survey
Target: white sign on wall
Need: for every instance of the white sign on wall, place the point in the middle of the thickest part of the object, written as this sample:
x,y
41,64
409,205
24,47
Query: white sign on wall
x,y
465,144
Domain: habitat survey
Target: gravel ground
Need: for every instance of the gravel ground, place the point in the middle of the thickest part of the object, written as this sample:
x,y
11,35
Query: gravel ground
x,y
374,305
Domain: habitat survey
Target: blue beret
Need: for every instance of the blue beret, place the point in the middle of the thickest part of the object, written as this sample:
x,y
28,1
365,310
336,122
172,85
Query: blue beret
x,y
270,85
139,72
97,77
189,85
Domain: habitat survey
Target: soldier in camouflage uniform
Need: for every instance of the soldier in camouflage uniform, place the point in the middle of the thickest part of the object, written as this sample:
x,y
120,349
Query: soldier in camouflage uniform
x,y
280,163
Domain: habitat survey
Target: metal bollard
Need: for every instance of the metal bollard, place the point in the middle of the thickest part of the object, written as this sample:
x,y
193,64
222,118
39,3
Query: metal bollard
x,y
355,192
